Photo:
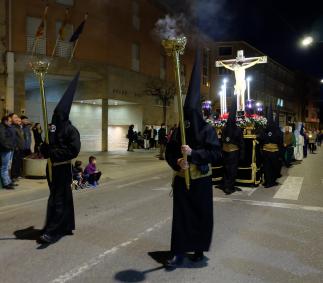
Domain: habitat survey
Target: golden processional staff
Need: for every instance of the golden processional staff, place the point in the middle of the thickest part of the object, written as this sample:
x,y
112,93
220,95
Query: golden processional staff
x,y
176,47
40,66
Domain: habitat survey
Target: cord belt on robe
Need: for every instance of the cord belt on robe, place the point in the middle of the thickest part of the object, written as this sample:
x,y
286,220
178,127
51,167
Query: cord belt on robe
x,y
271,147
229,147
61,163
194,172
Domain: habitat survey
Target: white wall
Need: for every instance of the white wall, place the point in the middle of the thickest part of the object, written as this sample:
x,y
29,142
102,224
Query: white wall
x,y
88,118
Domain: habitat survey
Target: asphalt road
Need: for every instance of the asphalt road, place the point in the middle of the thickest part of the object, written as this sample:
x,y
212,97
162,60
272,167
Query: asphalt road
x,y
123,230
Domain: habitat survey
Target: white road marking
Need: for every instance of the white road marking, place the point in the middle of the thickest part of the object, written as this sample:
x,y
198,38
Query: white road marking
x,y
270,204
11,208
156,178
100,258
161,189
253,191
290,189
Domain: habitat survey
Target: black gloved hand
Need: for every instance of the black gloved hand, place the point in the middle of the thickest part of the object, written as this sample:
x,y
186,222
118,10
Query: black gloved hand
x,y
45,150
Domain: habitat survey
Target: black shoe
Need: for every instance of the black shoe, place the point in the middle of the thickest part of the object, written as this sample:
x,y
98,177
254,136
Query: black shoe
x,y
46,239
197,257
237,189
175,262
8,187
228,192
13,184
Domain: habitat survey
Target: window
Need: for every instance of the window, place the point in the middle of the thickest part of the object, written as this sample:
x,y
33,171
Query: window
x,y
64,47
162,74
135,15
31,29
225,51
135,57
65,2
206,67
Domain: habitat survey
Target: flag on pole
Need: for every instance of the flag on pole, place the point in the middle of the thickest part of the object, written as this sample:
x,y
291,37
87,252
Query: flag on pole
x,y
66,21
41,27
75,36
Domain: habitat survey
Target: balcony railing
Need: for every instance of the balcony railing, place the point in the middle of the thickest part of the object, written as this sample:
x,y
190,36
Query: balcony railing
x,y
40,47
64,49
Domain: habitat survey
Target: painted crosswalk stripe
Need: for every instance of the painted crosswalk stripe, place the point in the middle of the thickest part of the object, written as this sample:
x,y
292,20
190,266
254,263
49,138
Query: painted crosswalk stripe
x,y
290,189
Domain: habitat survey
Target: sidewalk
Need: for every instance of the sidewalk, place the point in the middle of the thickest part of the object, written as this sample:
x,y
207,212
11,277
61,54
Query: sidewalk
x,y
115,166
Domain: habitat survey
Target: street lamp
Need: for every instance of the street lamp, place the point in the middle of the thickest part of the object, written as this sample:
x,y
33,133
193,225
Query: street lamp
x,y
321,81
307,41
249,79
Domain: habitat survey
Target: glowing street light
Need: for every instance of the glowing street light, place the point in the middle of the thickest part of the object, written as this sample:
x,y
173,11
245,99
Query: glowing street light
x,y
307,41
321,81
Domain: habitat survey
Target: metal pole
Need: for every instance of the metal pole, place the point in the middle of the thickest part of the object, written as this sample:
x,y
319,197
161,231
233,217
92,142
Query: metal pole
x,y
41,77
180,111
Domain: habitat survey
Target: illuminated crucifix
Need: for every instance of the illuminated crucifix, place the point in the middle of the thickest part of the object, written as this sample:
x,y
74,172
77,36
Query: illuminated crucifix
x,y
239,66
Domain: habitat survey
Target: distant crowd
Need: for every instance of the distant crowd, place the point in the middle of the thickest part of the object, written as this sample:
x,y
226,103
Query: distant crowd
x,y
150,138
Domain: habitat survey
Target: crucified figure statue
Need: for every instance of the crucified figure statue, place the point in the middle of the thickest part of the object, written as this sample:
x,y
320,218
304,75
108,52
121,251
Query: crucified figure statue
x,y
239,66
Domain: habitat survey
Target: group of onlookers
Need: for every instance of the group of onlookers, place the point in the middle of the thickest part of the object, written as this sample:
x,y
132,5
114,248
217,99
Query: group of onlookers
x,y
298,141
150,138
15,144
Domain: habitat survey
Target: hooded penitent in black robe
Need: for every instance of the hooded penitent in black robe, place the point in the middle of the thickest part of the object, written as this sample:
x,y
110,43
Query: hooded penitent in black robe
x,y
64,145
193,209
271,141
232,151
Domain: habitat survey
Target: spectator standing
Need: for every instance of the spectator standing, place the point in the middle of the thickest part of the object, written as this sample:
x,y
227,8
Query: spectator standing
x,y
162,140
146,138
26,128
37,132
16,169
130,136
6,152
289,142
311,141
152,136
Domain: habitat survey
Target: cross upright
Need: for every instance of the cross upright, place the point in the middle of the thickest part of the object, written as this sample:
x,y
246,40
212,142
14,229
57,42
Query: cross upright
x,y
239,66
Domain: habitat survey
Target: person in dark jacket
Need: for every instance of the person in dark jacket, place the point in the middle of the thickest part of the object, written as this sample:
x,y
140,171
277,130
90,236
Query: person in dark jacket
x,y
17,160
64,145
26,128
152,136
37,132
6,152
192,226
271,141
162,140
232,151
131,137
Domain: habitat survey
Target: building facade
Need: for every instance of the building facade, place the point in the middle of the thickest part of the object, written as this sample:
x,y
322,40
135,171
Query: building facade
x,y
118,55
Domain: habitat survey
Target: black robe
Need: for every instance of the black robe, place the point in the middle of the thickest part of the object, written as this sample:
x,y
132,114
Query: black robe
x,y
193,209
232,135
64,146
271,160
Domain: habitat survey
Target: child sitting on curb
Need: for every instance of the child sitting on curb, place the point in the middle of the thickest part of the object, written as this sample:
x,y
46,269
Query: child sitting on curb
x,y
78,180
91,174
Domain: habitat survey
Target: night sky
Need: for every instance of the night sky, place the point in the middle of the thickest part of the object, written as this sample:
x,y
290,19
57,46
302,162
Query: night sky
x,y
273,26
